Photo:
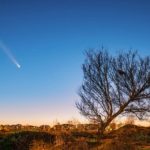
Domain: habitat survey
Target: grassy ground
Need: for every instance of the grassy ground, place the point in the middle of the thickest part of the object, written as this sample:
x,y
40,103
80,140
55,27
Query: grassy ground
x,y
129,137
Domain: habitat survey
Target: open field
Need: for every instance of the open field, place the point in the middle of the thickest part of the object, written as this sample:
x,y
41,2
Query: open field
x,y
129,137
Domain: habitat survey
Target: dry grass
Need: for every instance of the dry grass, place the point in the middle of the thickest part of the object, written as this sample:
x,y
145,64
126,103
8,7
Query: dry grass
x,y
117,145
128,137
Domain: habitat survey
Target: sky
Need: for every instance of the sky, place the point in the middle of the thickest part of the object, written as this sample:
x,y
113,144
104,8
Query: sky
x,y
48,39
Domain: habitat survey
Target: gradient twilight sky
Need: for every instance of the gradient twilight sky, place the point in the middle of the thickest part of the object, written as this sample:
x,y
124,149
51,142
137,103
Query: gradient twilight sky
x,y
48,38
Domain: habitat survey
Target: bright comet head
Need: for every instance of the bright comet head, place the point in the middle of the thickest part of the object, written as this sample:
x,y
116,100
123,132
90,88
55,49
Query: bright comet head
x,y
19,66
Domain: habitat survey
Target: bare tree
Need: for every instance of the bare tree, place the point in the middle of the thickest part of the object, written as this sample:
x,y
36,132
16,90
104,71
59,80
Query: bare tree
x,y
113,86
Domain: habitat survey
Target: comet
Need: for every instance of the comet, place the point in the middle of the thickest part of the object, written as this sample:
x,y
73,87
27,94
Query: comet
x,y
9,54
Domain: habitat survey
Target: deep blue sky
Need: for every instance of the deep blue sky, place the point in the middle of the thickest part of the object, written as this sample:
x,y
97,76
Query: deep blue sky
x,y
48,38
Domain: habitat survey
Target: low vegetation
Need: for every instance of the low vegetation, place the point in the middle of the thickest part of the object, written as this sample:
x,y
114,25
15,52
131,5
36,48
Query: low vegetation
x,y
128,137
24,140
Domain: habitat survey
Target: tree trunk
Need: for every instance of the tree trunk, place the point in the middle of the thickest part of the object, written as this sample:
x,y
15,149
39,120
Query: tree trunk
x,y
101,132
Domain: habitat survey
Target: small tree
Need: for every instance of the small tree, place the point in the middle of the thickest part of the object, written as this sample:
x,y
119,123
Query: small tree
x,y
114,85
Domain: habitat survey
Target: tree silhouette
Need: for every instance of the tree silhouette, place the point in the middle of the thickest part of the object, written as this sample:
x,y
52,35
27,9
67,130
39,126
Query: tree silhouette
x,y
113,86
